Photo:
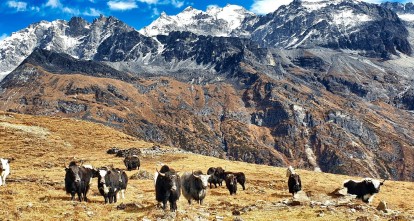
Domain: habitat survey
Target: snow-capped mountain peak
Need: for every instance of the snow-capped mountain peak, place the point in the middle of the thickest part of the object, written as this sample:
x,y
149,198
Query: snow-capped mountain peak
x,y
312,5
77,38
214,21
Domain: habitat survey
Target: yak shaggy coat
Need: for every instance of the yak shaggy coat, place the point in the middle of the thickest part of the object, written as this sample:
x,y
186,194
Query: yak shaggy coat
x,y
231,183
77,181
294,182
194,186
167,187
110,183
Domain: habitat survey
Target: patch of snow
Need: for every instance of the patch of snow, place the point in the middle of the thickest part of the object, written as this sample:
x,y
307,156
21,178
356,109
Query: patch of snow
x,y
304,39
406,17
3,75
312,158
314,5
347,18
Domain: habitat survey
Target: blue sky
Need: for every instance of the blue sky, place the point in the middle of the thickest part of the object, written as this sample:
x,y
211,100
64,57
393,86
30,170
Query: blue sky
x,y
18,14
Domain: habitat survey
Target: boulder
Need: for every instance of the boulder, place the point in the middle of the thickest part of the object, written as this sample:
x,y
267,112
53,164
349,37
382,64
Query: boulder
x,y
340,192
382,206
300,198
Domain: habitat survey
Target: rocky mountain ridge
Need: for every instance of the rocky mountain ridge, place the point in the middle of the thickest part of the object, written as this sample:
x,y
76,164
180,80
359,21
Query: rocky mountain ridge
x,y
328,25
78,38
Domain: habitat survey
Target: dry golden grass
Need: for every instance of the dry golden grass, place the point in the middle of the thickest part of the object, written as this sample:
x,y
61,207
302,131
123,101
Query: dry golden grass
x,y
42,146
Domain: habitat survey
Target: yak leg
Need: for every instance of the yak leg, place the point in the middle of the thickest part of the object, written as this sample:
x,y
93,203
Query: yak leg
x,y
79,196
123,194
86,192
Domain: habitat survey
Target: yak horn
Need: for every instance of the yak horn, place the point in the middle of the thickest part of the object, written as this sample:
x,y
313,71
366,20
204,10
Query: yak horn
x,y
161,174
196,176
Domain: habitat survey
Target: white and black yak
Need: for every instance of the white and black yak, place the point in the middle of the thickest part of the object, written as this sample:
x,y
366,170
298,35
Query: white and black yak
x,y
294,182
110,182
364,189
77,181
167,187
194,186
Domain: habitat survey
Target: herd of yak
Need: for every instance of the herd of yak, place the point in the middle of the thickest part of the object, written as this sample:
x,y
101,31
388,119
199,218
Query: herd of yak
x,y
169,184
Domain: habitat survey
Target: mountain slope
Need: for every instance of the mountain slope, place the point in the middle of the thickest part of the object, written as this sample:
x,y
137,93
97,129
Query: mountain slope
x,y
406,13
77,38
309,119
342,24
46,145
369,29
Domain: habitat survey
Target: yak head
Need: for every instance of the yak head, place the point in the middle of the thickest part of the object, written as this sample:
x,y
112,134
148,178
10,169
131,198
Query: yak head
x,y
373,185
73,172
201,179
170,177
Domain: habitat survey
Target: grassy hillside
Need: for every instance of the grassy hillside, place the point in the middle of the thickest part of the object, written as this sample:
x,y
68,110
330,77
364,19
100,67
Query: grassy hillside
x,y
42,146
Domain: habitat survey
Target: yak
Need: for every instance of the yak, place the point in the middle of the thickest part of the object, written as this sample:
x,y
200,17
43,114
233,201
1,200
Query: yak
x,y
167,187
194,186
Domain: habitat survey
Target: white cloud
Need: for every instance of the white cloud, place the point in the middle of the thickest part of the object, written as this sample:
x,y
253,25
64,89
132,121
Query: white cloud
x,y
177,4
35,8
71,11
92,12
19,6
267,6
122,5
155,13
53,3
3,36
149,1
